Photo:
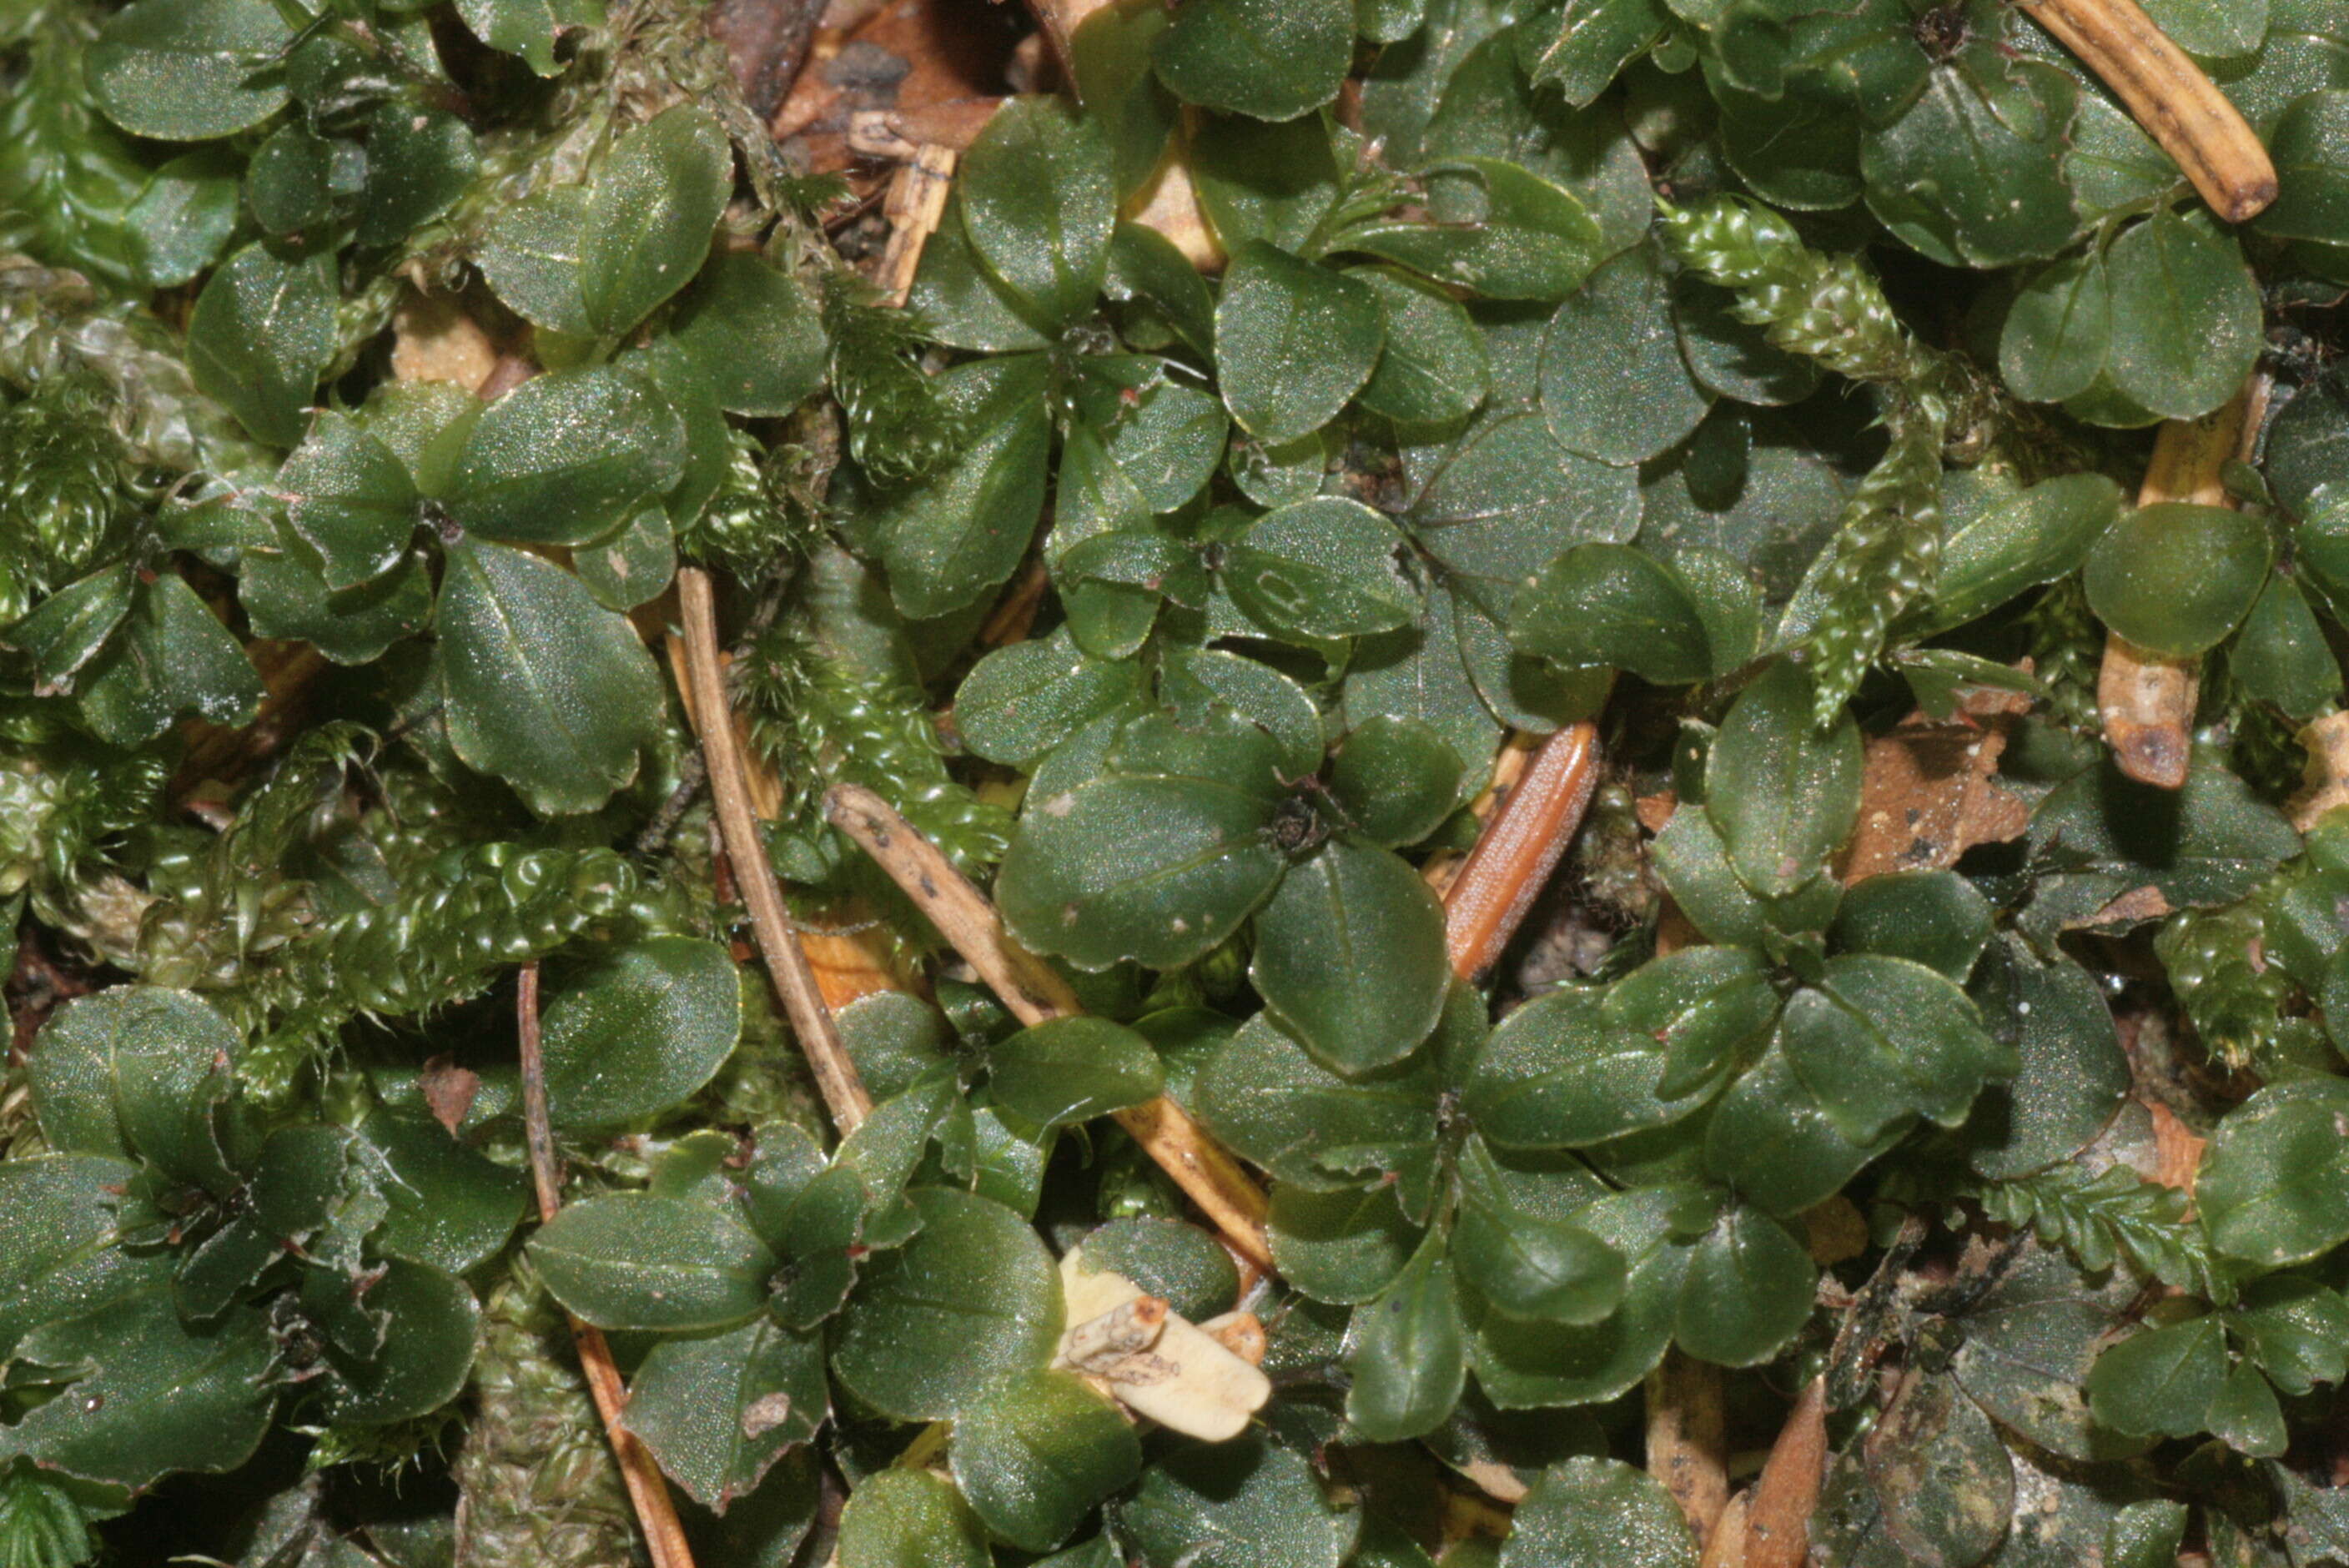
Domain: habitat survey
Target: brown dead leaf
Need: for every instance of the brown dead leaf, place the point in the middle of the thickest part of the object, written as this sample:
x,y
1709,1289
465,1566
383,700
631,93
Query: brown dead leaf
x,y
937,68
2325,783
1833,1230
2132,908
2177,1148
1927,791
433,339
448,1092
1655,811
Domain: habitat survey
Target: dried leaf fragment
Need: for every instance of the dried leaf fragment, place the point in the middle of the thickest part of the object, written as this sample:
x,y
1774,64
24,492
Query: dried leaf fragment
x,y
1152,1360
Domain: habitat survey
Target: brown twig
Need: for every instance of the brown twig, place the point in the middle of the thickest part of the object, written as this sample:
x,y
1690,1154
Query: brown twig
x,y
836,1074
916,203
656,1509
1687,1449
2146,701
1035,993
1518,849
2178,104
1516,752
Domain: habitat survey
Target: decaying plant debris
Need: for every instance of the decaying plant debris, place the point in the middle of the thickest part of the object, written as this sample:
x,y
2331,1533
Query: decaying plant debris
x,y
1243,784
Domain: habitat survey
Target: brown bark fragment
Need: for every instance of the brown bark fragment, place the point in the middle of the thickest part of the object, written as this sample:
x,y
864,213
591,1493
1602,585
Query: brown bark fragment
x,y
1687,1449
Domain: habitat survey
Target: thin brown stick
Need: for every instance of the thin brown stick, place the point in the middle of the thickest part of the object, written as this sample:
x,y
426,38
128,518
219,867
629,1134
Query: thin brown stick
x,y
916,203
2178,104
648,1492
1687,1449
836,1074
1518,849
1035,993
2146,701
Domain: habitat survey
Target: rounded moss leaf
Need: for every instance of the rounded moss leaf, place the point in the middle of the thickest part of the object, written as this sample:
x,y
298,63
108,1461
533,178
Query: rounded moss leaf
x,y
638,1030
2274,1184
1345,1245
189,70
1172,1258
1293,341
754,335
650,214
1747,1291
1561,1072
1072,1069
1275,1105
909,1518
1611,604
1038,202
971,1304
1435,366
545,688
1598,1513
1039,1455
1613,383
2175,578
2185,315
1244,1503
1158,870
718,1411
430,1326
1268,60
631,1260
1349,955
1410,1353
1797,791
262,335
564,457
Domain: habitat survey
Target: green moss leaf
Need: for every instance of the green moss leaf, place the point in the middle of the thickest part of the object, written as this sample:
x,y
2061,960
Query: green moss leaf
x,y
1747,1291
1613,606
1598,1513
545,688
970,1306
1039,200
650,214
1409,1355
909,1518
1072,1069
1349,955
753,335
566,457
189,70
1237,1504
1797,792
2186,316
639,1029
1293,341
263,332
1613,383
2274,1185
1039,1456
2161,1381
1270,59
718,1411
630,1260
